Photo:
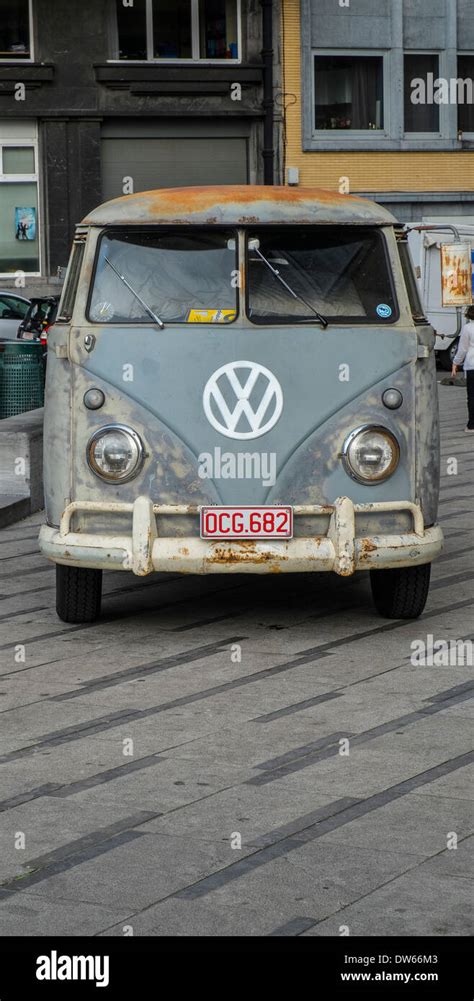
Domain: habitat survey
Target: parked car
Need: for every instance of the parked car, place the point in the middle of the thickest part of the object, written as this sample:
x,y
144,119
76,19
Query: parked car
x,y
39,318
13,308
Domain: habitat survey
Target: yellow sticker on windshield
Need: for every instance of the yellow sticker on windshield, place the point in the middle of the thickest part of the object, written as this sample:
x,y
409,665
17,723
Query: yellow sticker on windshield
x,y
211,315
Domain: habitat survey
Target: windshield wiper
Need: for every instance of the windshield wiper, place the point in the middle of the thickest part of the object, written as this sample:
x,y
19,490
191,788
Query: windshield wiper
x,y
137,296
274,271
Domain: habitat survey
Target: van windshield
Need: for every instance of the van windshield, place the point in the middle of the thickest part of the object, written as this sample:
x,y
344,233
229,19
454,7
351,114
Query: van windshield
x,y
181,277
341,272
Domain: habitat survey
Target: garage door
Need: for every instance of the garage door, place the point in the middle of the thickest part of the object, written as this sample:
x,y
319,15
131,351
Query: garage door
x,y
168,163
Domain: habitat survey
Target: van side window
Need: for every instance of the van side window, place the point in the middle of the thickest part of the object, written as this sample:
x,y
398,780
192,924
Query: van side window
x,y
416,307
70,288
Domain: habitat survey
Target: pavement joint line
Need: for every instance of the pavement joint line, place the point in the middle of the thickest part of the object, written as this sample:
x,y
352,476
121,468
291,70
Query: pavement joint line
x,y
310,755
71,848
54,635
25,573
450,580
455,534
290,756
145,584
24,611
33,667
454,514
312,832
61,790
388,627
17,538
151,668
446,557
22,705
110,619
449,693
20,556
380,674
168,604
75,732
207,622
386,882
38,875
293,927
149,582
452,494
297,707
24,594
111,720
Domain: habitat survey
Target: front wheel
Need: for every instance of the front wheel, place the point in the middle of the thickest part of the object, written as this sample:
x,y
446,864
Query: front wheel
x,y
400,593
78,593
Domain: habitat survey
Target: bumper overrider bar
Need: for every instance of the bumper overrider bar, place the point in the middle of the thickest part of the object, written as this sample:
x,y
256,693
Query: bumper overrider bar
x,y
144,551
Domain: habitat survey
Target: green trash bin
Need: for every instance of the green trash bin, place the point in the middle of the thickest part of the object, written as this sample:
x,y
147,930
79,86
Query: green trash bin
x,y
21,377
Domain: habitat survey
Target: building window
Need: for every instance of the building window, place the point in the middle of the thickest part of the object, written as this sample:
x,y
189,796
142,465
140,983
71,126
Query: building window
x,y
348,92
466,93
178,29
218,29
19,239
131,25
421,71
172,30
15,29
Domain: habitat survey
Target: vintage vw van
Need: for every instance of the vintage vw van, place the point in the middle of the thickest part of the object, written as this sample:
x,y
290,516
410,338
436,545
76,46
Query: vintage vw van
x,y
241,380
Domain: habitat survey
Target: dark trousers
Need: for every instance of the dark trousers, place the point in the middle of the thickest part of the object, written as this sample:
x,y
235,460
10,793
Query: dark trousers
x,y
470,397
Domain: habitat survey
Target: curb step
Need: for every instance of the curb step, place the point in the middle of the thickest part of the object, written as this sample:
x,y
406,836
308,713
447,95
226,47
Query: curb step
x,y
21,491
13,509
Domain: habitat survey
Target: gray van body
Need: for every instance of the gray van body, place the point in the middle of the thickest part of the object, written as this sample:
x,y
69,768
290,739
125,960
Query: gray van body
x,y
150,523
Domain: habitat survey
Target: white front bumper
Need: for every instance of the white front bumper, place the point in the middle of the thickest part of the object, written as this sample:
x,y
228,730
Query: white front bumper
x,y
144,551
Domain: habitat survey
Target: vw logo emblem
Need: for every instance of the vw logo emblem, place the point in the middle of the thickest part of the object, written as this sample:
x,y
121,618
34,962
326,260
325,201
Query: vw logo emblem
x,y
245,396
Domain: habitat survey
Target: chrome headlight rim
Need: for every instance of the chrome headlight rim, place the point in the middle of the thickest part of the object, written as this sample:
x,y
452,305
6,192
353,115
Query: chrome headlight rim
x,y
137,443
345,455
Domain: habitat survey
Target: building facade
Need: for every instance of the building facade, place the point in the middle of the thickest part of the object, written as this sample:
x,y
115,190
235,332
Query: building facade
x,y
378,101
99,98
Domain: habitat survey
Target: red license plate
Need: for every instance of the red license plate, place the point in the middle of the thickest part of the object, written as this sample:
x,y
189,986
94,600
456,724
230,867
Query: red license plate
x,y
219,522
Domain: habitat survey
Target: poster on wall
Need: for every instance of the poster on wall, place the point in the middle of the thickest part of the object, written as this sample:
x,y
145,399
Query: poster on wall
x,y
25,224
456,274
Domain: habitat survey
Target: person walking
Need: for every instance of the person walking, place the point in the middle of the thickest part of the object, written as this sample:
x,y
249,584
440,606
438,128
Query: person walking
x,y
465,354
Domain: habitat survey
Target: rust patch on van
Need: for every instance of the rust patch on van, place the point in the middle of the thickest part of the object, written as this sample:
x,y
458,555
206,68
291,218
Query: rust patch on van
x,y
238,204
366,548
199,198
247,552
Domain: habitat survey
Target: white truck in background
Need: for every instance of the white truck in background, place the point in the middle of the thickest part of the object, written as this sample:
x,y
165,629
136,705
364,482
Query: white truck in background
x,y
425,253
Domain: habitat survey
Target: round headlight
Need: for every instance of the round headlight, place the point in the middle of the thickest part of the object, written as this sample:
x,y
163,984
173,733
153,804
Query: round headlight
x,y
371,454
115,453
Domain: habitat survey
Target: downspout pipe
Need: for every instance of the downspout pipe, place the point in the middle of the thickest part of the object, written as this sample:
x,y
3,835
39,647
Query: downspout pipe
x,y
268,151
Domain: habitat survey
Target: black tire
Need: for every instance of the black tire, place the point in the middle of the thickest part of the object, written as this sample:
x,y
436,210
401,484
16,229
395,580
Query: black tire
x,y
446,358
400,593
78,593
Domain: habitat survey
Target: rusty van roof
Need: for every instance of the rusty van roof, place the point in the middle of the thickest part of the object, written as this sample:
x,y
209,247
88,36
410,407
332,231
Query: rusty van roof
x,y
237,205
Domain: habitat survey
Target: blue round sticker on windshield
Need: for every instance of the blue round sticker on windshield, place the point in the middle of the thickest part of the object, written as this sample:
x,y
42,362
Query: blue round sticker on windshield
x,y
384,310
